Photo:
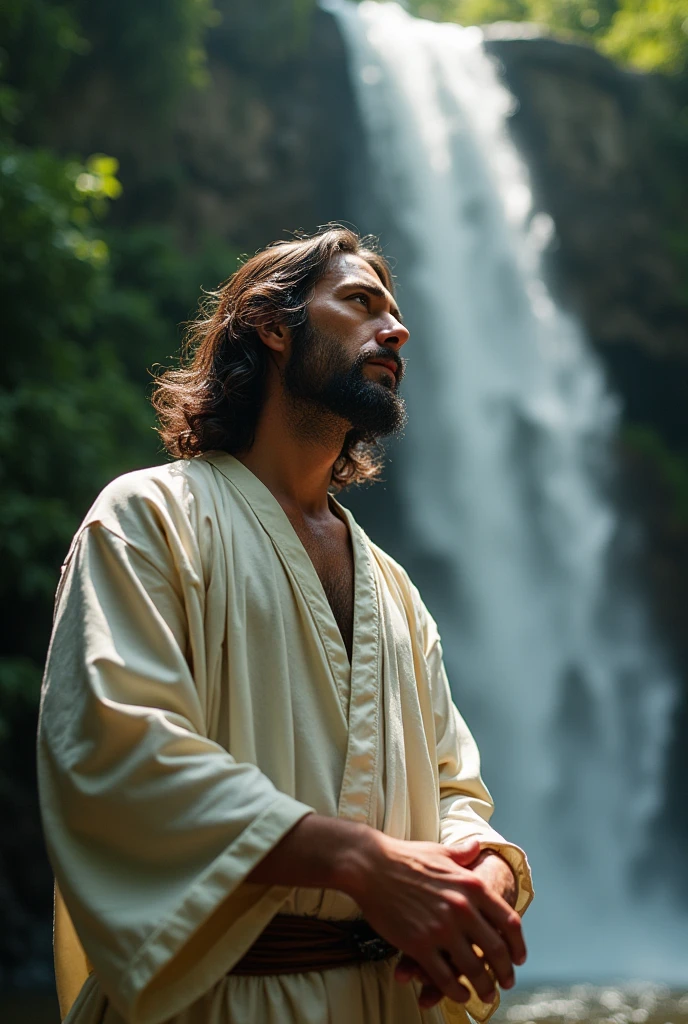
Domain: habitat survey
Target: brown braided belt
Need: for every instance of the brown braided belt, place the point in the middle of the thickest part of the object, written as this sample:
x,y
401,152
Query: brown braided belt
x,y
293,944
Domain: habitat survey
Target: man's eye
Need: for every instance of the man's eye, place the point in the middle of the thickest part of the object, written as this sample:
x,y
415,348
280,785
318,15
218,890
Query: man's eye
x,y
363,297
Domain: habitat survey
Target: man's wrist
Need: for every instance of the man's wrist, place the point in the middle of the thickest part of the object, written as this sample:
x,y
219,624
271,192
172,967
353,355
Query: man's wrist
x,y
501,873
357,851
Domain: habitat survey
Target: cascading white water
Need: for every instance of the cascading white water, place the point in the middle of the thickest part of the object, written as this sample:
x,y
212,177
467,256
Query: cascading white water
x,y
503,472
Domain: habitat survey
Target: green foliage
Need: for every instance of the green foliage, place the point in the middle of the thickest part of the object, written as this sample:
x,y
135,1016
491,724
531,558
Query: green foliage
x,y
471,12
157,288
562,16
152,50
39,40
87,307
68,414
649,34
671,467
574,16
83,318
20,685
263,37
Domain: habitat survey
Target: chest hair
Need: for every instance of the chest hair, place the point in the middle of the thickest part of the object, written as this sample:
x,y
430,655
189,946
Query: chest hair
x,y
329,549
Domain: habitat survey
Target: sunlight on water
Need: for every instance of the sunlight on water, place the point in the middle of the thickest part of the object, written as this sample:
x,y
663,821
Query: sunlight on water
x,y
625,1004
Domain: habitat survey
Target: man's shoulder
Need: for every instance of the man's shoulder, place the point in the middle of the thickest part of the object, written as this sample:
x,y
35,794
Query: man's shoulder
x,y
151,507
154,489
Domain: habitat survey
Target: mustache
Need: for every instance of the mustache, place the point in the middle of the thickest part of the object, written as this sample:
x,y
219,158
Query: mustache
x,y
390,357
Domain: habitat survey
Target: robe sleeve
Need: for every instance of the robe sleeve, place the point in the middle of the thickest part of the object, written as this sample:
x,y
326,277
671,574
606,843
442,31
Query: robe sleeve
x,y
151,827
465,803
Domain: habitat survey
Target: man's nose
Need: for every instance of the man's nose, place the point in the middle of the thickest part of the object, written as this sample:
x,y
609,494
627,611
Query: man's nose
x,y
395,335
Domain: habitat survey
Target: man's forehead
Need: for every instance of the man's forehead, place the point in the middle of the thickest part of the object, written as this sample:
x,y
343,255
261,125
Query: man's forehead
x,y
346,264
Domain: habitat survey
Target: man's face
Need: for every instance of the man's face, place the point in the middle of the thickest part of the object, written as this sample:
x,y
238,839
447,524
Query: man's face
x,y
345,358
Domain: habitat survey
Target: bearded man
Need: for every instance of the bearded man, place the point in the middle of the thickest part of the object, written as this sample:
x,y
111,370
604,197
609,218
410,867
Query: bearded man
x,y
260,802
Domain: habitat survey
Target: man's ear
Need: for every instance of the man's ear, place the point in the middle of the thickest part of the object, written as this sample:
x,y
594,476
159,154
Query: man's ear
x,y
277,337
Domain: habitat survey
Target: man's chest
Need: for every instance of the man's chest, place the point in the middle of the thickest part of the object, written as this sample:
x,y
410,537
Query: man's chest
x,y
329,549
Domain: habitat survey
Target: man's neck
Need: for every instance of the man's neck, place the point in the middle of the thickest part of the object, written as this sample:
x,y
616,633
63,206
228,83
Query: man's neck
x,y
296,466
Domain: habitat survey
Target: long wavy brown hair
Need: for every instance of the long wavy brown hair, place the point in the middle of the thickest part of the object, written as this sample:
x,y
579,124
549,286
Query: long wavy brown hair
x,y
213,399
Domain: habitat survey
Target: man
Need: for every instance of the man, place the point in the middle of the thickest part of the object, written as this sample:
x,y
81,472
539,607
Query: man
x,y
256,789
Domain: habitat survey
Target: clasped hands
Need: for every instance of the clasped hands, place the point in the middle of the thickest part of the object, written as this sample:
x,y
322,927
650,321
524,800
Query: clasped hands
x,y
437,904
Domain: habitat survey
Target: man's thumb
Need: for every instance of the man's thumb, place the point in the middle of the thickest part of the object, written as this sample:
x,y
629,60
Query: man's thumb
x,y
466,852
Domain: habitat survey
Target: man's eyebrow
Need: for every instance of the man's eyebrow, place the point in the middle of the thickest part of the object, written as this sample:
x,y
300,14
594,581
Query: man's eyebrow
x,y
374,289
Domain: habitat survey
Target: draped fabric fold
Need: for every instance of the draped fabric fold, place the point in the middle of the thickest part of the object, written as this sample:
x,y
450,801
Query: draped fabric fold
x,y
198,701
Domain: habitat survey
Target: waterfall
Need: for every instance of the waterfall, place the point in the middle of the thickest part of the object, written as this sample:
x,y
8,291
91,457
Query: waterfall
x,y
505,477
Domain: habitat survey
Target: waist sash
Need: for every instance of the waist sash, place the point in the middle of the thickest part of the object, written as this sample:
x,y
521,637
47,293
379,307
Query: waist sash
x,y
294,944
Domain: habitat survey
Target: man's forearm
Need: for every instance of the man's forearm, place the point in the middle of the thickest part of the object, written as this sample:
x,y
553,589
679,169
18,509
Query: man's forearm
x,y
319,852
330,853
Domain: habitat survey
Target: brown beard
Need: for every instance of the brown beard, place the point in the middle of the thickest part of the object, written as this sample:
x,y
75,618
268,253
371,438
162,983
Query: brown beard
x,y
318,378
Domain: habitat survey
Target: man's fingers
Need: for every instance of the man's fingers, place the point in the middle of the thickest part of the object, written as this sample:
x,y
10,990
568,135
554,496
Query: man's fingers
x,y
465,961
431,996
443,976
493,907
464,853
494,949
497,956
506,921
408,968
405,969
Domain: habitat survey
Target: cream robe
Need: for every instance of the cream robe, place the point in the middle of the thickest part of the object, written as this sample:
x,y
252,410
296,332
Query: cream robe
x,y
198,702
